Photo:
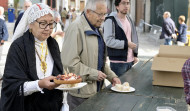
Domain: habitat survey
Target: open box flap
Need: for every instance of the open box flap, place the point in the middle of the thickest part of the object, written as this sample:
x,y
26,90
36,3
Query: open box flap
x,y
168,64
174,51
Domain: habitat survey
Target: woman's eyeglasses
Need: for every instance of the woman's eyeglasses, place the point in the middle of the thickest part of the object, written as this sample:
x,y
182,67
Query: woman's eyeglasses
x,y
43,25
99,14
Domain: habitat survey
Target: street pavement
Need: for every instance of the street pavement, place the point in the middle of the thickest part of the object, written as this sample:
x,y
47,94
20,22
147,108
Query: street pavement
x,y
148,46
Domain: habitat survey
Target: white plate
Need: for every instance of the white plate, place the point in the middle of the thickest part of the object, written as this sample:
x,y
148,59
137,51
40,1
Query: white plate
x,y
130,90
79,85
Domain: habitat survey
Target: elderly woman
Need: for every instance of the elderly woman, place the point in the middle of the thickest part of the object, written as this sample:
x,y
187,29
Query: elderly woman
x,y
32,63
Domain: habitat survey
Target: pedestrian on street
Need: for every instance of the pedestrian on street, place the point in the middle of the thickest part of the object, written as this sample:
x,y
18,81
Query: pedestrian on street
x,y
74,14
2,13
3,28
182,37
121,38
168,29
84,52
32,63
58,33
27,4
64,15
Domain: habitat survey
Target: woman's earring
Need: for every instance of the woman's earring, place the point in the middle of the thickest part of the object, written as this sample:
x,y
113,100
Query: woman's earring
x,y
30,30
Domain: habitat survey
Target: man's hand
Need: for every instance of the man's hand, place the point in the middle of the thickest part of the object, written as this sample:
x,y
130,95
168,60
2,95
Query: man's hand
x,y
115,80
2,42
45,83
132,45
174,36
101,76
136,60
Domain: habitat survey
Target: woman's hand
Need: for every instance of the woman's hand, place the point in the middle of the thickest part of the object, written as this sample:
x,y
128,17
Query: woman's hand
x,y
45,83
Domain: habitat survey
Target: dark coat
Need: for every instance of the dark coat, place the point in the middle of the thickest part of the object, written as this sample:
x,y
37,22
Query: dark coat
x,y
21,67
168,29
182,33
17,21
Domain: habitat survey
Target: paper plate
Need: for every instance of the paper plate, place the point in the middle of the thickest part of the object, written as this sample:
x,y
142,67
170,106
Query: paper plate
x,y
79,85
130,90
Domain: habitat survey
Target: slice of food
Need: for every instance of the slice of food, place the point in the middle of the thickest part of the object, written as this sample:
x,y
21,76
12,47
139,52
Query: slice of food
x,y
68,85
119,87
126,84
68,79
123,87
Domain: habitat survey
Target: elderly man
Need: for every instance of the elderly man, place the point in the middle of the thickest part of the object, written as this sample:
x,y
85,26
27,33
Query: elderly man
x,y
27,4
168,29
84,52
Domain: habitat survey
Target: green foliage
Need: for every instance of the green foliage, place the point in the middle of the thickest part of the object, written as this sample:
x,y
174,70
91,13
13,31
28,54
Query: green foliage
x,y
6,15
16,7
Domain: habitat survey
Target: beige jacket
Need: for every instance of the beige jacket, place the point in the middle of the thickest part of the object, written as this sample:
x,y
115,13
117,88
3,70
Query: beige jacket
x,y
80,55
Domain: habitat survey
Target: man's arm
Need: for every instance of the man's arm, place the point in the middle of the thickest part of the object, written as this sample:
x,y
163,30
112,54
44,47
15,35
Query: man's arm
x,y
109,36
186,78
70,55
5,32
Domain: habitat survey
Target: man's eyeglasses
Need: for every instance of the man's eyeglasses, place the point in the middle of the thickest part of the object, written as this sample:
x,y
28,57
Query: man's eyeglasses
x,y
43,25
125,3
99,14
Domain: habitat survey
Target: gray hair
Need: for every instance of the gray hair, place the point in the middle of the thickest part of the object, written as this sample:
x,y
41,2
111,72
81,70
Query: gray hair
x,y
167,13
91,4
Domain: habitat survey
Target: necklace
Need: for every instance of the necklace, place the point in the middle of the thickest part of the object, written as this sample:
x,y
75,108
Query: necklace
x,y
42,58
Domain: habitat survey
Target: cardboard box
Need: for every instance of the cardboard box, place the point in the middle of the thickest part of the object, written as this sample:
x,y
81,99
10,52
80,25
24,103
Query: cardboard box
x,y
167,65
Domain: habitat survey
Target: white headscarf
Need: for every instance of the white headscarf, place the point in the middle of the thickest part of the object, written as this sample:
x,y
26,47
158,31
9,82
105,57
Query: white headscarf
x,y
30,15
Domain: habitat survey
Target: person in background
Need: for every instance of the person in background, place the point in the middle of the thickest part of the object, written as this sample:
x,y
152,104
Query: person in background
x,y
33,61
2,13
84,52
186,79
58,33
74,15
70,14
3,28
27,4
182,37
64,15
168,29
121,38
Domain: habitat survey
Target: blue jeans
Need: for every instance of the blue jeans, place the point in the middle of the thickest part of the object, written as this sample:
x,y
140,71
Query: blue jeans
x,y
120,68
168,42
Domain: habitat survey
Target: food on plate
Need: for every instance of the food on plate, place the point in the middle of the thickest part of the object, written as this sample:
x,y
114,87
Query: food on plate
x,y
68,85
126,84
164,110
123,87
68,79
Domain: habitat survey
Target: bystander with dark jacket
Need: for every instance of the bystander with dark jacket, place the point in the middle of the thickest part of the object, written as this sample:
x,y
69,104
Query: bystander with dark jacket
x,y
168,29
182,37
121,38
27,4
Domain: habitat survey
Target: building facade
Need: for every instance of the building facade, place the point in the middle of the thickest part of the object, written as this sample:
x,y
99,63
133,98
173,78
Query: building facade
x,y
4,3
